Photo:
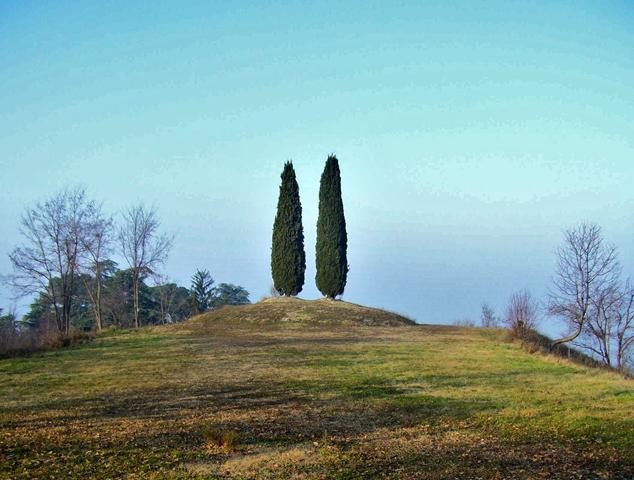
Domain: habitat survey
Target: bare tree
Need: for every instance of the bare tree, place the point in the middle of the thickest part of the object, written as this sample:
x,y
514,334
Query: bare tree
x,y
624,327
521,313
488,318
609,329
47,261
142,247
97,245
596,334
587,269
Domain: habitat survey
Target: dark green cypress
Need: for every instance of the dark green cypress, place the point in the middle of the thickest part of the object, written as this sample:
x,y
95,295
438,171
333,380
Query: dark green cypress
x,y
288,259
332,239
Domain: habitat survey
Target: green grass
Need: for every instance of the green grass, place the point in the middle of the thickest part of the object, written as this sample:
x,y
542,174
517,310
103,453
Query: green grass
x,y
294,389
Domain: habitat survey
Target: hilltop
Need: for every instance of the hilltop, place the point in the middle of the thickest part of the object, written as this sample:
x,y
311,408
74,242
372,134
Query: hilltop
x,y
289,388
299,313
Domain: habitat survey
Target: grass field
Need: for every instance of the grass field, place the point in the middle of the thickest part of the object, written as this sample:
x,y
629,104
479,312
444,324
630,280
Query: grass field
x,y
293,389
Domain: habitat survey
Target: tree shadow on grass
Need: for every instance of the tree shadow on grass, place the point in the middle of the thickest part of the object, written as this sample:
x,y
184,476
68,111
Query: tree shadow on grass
x,y
165,427
442,457
299,409
405,404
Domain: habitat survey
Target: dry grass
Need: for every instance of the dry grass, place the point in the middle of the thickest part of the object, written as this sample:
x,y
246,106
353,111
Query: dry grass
x,y
303,313
219,437
27,342
293,389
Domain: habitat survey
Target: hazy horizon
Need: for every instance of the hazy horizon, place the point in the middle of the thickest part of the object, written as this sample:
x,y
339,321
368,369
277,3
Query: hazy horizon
x,y
469,135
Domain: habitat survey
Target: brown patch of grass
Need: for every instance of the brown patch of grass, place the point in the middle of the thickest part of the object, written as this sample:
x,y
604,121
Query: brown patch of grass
x,y
220,437
260,463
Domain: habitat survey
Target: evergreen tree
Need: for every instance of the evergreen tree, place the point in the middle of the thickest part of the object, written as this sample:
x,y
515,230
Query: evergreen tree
x,y
288,260
230,294
202,290
332,239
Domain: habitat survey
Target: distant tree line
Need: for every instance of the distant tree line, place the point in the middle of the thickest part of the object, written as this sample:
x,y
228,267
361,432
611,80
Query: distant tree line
x,y
66,263
207,297
288,259
156,304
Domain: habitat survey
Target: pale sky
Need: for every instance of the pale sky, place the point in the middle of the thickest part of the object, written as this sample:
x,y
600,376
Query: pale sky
x,y
469,134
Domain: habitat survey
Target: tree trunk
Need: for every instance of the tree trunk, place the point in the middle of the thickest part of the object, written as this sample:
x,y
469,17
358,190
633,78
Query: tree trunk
x,y
58,315
162,297
98,306
98,296
95,298
66,312
136,300
569,338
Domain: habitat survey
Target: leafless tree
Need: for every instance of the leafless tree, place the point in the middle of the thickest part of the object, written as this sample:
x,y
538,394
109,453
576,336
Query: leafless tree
x,y
624,327
488,318
521,313
96,243
609,329
142,246
587,269
47,261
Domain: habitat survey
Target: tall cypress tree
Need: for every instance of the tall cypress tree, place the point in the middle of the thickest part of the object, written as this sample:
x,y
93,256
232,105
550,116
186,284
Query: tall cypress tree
x,y
332,239
288,259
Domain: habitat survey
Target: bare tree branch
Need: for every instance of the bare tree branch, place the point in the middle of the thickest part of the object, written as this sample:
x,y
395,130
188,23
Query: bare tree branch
x,y
521,313
96,242
142,247
48,260
586,270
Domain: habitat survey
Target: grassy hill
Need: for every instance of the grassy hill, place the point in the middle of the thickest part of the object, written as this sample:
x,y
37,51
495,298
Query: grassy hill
x,y
298,313
298,389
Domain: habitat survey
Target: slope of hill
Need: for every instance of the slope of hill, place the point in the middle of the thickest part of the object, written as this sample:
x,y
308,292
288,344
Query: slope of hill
x,y
295,312
295,389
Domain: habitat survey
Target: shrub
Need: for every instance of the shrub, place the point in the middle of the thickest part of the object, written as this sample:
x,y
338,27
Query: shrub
x,y
29,340
521,314
464,322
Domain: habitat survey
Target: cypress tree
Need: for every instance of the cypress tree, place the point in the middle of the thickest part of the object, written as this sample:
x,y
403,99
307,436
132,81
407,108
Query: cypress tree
x,y
288,259
332,239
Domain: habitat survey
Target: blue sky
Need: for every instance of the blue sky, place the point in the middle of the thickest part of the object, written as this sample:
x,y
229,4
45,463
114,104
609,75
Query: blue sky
x,y
469,133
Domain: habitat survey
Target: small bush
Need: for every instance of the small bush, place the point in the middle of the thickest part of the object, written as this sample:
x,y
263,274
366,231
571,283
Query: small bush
x,y
488,319
464,322
29,341
221,437
521,314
